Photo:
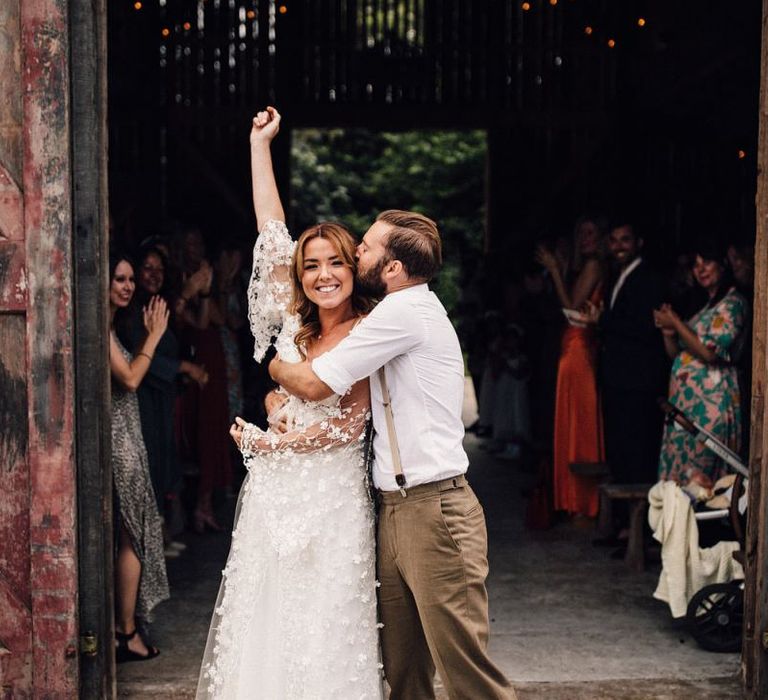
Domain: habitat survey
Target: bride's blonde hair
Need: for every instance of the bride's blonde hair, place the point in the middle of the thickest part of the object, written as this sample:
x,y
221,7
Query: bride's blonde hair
x,y
341,239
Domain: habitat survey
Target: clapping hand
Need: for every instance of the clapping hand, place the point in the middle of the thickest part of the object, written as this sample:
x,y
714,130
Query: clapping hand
x,y
228,267
198,375
592,312
265,126
666,319
206,277
546,259
199,282
156,316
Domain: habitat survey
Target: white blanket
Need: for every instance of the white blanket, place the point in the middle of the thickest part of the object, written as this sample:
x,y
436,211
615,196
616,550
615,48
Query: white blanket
x,y
686,567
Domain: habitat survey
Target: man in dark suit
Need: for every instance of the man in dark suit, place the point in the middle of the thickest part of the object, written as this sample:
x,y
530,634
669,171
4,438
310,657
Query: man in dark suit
x,y
632,362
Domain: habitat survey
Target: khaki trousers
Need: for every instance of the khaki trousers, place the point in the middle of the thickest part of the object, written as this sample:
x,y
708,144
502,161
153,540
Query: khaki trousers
x,y
432,564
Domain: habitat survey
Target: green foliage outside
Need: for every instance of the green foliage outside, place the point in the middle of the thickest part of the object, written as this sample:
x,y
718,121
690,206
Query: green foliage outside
x,y
350,175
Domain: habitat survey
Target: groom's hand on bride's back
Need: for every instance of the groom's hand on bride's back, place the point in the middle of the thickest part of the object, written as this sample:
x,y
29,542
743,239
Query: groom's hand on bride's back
x,y
265,126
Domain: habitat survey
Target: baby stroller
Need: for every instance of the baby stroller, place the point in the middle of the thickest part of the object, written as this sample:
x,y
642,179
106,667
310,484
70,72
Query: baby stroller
x,y
715,613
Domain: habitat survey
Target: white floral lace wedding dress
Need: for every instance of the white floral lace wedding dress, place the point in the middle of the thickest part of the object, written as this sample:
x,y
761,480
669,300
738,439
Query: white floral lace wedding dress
x,y
295,618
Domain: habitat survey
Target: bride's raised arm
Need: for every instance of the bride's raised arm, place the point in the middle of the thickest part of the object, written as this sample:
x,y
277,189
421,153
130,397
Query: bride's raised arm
x,y
269,291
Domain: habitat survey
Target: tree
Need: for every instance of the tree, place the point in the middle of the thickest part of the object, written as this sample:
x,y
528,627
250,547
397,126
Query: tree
x,y
350,175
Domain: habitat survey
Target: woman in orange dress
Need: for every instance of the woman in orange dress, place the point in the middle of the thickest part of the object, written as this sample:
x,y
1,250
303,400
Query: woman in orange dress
x,y
578,422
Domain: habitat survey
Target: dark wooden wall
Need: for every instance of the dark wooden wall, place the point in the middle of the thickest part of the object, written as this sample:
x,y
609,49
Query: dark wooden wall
x,y
655,122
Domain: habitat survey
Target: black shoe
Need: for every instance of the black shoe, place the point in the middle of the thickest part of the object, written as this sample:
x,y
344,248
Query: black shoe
x,y
123,653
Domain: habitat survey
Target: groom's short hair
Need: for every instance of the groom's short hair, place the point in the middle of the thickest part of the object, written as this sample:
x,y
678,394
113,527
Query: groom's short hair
x,y
414,241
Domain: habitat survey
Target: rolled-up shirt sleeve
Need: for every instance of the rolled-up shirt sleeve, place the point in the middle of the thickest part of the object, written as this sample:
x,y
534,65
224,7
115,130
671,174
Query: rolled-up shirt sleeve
x,y
390,330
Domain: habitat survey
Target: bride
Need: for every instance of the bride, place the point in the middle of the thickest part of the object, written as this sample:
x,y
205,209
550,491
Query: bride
x,y
296,612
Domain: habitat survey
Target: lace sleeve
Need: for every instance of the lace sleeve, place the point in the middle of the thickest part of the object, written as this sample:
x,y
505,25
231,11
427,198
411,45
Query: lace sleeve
x,y
345,425
269,291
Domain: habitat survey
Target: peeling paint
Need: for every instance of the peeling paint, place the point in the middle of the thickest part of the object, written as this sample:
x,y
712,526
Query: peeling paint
x,y
13,419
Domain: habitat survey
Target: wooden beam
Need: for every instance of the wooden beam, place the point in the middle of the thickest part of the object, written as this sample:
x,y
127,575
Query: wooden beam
x,y
389,117
755,654
47,187
92,383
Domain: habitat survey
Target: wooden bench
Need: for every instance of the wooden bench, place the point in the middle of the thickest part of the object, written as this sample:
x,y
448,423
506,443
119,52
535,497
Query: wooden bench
x,y
637,497
595,470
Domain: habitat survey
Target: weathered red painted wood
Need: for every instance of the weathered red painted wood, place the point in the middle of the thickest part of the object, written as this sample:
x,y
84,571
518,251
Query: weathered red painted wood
x,y
46,183
13,279
15,593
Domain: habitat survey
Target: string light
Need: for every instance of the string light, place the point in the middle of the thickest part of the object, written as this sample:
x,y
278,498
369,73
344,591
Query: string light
x,y
526,6
742,154
611,43
553,2
187,26
137,6
641,22
588,30
283,9
250,14
165,31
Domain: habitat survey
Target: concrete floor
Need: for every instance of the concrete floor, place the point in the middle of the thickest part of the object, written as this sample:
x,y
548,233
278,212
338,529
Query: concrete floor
x,y
568,623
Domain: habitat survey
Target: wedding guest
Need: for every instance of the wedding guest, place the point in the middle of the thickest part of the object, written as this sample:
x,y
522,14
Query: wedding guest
x,y
542,322
157,393
631,368
631,361
703,381
578,433
231,319
140,577
512,420
205,410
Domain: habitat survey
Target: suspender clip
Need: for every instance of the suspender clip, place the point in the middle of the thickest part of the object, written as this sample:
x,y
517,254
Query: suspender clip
x,y
400,479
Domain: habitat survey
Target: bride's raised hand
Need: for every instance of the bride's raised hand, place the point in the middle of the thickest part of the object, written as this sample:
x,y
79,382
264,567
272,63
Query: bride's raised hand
x,y
266,125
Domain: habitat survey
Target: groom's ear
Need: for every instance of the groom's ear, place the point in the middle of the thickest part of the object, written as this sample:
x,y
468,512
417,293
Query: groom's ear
x,y
393,268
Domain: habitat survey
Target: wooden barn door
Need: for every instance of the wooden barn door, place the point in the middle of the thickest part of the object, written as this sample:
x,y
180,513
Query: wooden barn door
x,y
90,245
755,651
55,504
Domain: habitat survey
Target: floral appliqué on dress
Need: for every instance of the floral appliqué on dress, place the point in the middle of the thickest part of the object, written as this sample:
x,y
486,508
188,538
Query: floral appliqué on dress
x,y
296,614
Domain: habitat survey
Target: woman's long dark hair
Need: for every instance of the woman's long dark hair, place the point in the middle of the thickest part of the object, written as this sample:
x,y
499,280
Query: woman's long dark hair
x,y
122,320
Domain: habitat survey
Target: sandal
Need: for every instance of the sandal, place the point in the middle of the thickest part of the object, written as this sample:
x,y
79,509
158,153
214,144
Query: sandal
x,y
123,653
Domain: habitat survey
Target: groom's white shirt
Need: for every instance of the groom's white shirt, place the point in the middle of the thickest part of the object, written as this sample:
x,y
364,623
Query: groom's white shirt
x,y
410,333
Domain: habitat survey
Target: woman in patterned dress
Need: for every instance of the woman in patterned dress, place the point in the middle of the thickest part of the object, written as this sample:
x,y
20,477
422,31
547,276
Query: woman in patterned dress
x,y
140,577
704,377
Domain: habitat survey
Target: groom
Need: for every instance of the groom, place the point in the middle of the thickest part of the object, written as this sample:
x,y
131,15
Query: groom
x,y
432,542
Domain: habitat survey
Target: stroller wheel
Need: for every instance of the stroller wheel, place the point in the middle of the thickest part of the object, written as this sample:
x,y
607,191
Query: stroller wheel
x,y
716,615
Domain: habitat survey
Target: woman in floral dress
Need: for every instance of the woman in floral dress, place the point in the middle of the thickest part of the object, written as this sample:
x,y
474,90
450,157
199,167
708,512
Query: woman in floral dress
x,y
704,379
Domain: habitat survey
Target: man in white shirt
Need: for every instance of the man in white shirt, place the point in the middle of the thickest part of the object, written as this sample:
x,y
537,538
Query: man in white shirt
x,y
432,542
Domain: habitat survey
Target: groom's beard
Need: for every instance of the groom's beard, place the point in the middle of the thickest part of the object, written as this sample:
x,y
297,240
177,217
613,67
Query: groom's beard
x,y
370,283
